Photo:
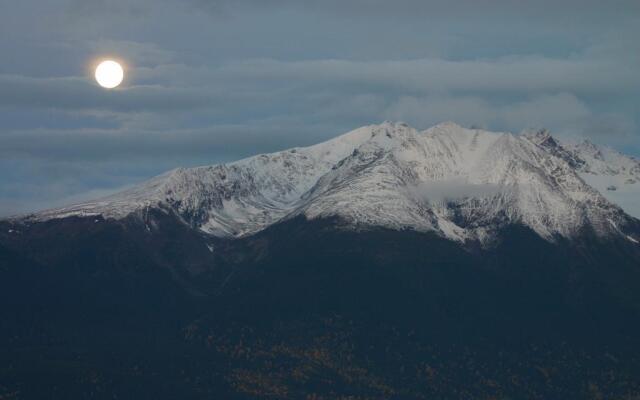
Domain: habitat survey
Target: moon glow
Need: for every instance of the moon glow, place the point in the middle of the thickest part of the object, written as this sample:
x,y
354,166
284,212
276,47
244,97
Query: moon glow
x,y
109,74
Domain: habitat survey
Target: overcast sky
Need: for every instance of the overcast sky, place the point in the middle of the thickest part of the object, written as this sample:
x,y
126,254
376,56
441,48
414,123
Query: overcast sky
x,y
210,81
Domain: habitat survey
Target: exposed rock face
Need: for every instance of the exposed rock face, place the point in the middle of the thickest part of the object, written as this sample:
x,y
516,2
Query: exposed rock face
x,y
463,184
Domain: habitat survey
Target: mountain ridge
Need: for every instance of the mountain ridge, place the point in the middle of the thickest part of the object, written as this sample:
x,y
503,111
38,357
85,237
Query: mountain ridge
x,y
391,255
463,184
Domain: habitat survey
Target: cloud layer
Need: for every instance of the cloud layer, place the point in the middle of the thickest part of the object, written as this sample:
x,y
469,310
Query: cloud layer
x,y
214,80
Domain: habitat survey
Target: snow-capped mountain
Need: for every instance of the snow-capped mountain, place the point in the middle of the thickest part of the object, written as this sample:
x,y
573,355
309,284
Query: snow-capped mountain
x,y
462,184
615,175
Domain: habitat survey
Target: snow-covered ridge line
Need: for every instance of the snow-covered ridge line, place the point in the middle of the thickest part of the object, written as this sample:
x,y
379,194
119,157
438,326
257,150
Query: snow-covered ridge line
x,y
463,184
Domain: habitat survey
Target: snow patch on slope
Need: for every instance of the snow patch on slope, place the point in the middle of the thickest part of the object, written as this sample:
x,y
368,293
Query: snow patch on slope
x,y
615,175
463,184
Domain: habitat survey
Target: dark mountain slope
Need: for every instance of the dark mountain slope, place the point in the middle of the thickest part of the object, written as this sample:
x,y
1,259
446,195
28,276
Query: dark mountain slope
x,y
146,307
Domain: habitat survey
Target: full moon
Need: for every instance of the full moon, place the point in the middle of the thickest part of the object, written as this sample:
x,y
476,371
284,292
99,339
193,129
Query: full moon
x,y
109,74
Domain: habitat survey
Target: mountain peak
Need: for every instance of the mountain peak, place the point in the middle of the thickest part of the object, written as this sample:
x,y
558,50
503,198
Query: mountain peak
x,y
539,136
393,124
447,125
589,147
462,184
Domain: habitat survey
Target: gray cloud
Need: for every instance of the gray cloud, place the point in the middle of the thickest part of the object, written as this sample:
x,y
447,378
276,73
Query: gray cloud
x,y
79,94
455,189
222,143
591,10
215,80
530,74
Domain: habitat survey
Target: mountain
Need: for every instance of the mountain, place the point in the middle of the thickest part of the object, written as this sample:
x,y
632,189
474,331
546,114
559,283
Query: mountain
x,y
463,184
613,174
385,263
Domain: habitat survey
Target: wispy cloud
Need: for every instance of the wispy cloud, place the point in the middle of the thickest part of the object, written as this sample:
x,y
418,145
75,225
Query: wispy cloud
x,y
455,189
